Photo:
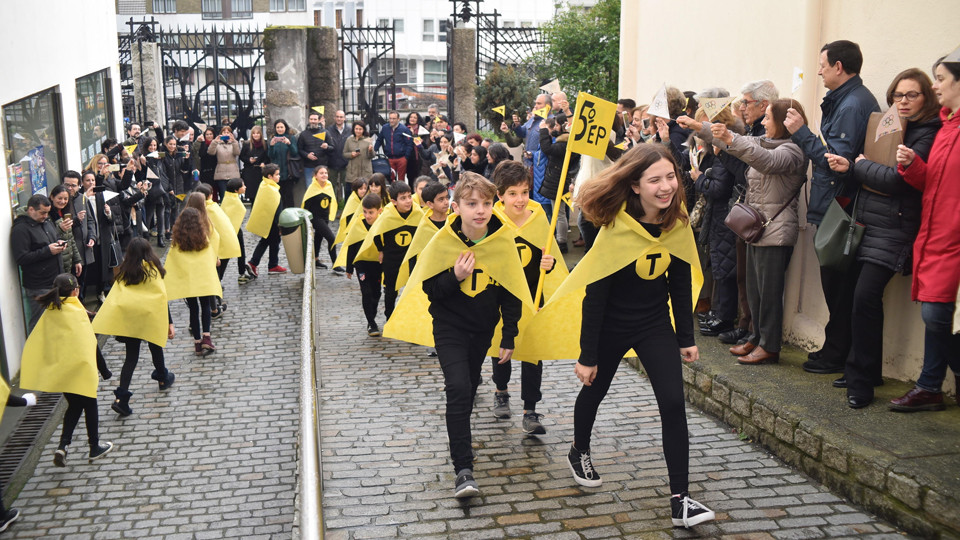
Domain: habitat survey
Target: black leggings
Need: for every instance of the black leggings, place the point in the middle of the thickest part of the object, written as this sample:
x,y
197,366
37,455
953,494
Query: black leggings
x,y
531,376
133,356
323,232
199,313
660,356
865,366
77,405
154,213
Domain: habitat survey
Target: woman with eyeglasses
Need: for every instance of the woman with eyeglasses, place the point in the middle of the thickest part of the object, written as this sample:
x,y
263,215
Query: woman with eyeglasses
x,y
889,208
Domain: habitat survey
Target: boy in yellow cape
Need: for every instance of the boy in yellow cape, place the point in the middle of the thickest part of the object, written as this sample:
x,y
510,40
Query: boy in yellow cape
x,y
466,279
436,199
368,270
321,201
60,355
263,222
235,211
529,224
358,190
389,238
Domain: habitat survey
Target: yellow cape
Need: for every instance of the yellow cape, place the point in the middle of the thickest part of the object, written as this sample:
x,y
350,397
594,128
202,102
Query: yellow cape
x,y
234,210
314,189
389,220
496,255
137,311
264,208
4,392
349,207
417,201
535,230
60,355
356,232
192,273
425,231
228,245
555,331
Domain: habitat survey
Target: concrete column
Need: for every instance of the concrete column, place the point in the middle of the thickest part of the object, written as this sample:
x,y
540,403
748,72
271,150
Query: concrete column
x,y
464,58
148,82
285,74
323,68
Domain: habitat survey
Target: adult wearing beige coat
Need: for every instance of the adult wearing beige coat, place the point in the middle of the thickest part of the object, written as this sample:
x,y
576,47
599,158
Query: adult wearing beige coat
x,y
227,150
778,169
358,151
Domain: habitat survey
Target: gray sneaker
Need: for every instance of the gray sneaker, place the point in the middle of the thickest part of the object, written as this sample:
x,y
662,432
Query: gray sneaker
x,y
501,404
532,425
465,486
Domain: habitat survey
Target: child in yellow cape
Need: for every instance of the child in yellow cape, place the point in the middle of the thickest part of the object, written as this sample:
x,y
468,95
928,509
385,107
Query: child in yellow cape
x,y
436,200
368,271
136,310
60,355
358,189
191,267
321,201
222,241
263,222
418,186
466,279
235,211
644,262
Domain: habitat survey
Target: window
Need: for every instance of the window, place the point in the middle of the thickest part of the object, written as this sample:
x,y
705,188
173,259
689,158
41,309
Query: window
x,y
164,6
241,9
339,19
442,36
383,23
398,26
435,71
428,34
33,132
93,114
318,17
526,24
359,21
406,71
212,9
509,24
288,5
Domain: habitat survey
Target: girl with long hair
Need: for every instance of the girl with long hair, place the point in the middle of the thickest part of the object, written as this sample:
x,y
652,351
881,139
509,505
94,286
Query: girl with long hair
x,y
253,156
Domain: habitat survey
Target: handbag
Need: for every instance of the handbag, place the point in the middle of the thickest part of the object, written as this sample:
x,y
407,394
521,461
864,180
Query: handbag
x,y
838,237
115,255
699,209
748,223
294,165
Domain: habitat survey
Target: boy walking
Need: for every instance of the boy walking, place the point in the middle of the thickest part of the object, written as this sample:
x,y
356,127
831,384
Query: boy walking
x,y
368,271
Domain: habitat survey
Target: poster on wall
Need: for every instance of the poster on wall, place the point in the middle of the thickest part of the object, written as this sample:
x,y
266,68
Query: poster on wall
x,y
12,181
38,173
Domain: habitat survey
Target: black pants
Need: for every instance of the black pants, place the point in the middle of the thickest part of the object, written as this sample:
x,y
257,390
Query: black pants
x,y
725,298
865,365
838,291
199,314
272,241
660,356
77,405
588,231
242,259
746,319
219,188
531,376
322,232
91,278
766,274
154,213
368,275
286,192
461,356
390,273
133,356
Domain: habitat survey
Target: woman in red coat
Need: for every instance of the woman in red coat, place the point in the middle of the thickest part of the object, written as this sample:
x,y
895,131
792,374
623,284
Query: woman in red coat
x,y
936,252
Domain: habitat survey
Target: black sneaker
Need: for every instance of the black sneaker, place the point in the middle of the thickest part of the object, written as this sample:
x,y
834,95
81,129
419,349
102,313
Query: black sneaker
x,y
373,330
532,425
582,468
501,404
100,450
60,457
466,486
687,512
319,264
5,520
339,270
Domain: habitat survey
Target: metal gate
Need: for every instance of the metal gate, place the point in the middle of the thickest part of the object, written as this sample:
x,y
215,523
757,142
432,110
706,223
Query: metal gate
x,y
367,83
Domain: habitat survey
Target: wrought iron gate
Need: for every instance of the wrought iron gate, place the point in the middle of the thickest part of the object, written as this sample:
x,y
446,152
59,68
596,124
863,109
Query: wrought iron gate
x,y
367,82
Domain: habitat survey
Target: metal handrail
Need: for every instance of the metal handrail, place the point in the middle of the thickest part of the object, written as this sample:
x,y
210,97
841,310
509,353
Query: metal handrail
x,y
311,484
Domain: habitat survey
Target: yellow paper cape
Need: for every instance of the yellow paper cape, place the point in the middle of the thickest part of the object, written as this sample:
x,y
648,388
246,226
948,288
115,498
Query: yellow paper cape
x,y
264,208
417,201
228,246
234,210
192,273
425,231
534,231
4,392
349,207
356,232
314,189
60,355
555,331
389,220
496,255
137,311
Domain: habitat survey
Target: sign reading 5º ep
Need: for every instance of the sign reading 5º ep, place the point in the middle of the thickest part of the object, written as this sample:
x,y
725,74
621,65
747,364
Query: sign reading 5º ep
x,y
592,123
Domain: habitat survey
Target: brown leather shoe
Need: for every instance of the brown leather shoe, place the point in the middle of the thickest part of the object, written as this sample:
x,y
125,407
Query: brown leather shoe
x,y
742,350
918,400
759,356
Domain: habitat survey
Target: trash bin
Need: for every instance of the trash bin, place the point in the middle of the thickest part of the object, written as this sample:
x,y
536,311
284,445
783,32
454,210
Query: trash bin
x,y
293,231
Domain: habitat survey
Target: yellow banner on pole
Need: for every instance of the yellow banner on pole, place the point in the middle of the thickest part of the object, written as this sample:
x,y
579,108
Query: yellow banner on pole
x,y
501,110
592,123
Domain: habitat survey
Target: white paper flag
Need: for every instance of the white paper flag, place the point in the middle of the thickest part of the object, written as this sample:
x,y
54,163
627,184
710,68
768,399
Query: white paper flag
x,y
551,87
658,107
797,79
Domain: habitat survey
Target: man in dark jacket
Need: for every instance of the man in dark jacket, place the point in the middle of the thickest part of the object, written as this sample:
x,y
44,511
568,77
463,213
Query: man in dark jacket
x,y
84,227
397,142
37,247
336,137
313,151
846,109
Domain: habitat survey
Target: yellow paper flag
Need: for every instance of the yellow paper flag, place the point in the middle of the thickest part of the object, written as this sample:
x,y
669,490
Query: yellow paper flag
x,y
181,196
592,122
322,135
889,123
130,148
318,108
501,110
417,140
542,113
621,146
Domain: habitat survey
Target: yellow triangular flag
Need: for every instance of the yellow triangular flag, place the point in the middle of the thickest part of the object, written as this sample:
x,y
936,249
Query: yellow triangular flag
x,y
542,113
621,146
322,135
889,123
501,110
181,196
318,108
130,148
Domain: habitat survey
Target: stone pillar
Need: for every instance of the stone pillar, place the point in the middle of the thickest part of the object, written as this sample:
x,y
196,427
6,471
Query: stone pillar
x,y
148,83
285,74
464,58
323,67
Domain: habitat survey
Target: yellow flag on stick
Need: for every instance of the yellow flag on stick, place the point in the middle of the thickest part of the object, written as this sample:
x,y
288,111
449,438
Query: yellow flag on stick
x,y
713,106
501,110
889,123
130,148
797,80
322,135
542,113
621,146
318,108
592,122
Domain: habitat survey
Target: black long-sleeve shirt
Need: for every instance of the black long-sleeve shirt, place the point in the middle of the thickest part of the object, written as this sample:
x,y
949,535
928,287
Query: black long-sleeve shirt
x,y
625,302
354,248
394,243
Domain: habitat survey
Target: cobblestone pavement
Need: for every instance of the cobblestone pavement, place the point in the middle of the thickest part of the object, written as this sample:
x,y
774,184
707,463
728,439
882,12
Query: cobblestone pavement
x,y
212,457
387,472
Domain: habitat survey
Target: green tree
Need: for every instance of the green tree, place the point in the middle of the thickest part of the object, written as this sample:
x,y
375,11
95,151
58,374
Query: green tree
x,y
504,86
583,49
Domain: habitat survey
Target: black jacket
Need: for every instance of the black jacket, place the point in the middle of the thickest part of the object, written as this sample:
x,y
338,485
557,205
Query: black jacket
x,y
306,143
555,150
336,139
716,184
30,242
891,221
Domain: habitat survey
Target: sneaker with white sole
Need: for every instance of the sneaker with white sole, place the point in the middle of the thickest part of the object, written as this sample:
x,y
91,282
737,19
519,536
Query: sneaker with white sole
x,y
501,404
100,450
60,457
9,517
582,468
532,425
687,512
466,486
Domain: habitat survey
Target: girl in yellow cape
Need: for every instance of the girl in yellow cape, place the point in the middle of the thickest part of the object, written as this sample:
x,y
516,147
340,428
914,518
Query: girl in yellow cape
x,y
136,310
191,267
358,189
222,237
321,201
235,211
60,355
263,222
643,263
